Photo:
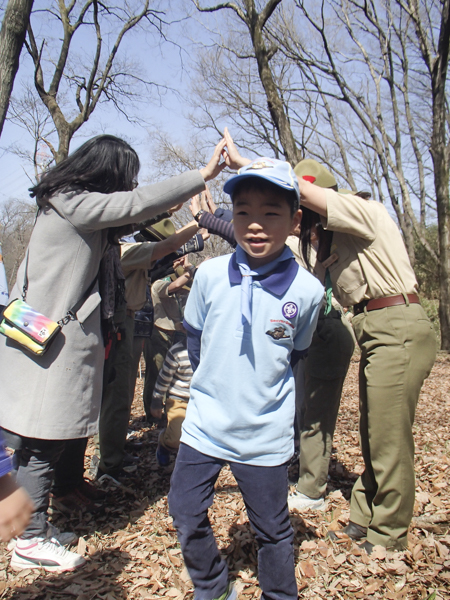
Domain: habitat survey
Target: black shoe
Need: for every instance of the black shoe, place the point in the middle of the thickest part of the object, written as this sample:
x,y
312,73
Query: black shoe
x,y
117,474
353,531
367,546
129,459
134,445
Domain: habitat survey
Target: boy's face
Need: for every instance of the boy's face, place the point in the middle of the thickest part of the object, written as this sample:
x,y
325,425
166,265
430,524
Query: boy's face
x,y
262,221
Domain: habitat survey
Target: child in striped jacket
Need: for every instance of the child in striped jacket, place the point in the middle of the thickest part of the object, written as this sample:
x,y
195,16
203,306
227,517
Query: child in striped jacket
x,y
173,382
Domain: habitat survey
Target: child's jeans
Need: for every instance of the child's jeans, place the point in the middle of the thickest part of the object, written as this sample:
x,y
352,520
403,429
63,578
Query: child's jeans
x,y
264,490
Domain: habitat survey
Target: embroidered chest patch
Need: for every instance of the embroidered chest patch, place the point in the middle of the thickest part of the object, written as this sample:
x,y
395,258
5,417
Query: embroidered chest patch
x,y
289,310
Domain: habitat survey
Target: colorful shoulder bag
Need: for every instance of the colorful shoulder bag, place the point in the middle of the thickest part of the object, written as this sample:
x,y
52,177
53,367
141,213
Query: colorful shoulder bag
x,y
31,329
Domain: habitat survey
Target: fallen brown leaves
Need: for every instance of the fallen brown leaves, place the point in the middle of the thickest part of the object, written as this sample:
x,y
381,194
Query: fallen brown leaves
x,y
132,548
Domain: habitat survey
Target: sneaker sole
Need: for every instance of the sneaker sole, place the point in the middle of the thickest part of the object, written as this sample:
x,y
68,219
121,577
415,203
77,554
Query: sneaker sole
x,y
319,507
19,563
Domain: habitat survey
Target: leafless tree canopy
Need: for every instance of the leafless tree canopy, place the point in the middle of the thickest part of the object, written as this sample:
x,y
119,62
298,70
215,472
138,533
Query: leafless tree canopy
x,y
16,223
75,50
361,86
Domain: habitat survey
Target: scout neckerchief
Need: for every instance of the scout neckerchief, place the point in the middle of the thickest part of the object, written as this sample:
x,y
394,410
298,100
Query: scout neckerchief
x,y
247,278
323,256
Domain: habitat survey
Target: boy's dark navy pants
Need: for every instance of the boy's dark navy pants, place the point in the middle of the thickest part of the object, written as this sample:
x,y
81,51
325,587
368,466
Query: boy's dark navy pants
x,y
264,490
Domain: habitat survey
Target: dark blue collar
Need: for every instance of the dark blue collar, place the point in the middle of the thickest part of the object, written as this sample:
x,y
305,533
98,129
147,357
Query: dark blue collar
x,y
277,282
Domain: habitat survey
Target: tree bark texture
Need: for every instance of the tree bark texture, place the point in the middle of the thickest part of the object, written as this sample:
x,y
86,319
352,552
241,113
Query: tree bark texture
x,y
12,37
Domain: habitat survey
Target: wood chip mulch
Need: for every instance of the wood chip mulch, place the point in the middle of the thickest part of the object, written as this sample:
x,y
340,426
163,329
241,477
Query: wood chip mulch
x,y
132,550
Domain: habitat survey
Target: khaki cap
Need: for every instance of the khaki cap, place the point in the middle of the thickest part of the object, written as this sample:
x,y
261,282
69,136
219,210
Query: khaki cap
x,y
313,171
159,231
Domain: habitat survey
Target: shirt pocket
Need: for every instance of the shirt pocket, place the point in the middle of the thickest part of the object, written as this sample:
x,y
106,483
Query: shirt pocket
x,y
346,272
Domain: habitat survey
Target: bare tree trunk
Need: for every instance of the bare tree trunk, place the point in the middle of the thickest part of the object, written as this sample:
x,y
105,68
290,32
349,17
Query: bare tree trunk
x,y
255,22
440,150
12,37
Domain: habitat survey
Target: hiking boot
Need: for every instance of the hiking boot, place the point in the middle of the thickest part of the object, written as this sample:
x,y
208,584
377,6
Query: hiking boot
x,y
44,553
92,492
352,530
299,501
367,546
65,538
129,459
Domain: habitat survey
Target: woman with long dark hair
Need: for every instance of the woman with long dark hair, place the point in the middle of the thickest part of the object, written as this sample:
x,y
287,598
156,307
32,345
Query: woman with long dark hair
x,y
56,397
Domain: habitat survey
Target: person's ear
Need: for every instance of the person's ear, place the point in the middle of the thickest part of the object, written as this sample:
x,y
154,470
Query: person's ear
x,y
296,223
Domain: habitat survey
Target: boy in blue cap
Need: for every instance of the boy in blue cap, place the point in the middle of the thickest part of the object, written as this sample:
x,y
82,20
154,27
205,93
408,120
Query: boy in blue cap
x,y
248,314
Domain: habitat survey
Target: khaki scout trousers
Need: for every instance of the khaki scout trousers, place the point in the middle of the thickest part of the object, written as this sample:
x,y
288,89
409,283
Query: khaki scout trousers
x,y
398,349
176,412
318,398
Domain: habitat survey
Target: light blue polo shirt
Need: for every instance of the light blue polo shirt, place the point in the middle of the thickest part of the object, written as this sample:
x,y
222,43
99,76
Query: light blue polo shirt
x,y
242,403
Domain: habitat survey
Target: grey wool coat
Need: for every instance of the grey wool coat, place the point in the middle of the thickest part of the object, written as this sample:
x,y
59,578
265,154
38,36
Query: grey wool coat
x,y
57,396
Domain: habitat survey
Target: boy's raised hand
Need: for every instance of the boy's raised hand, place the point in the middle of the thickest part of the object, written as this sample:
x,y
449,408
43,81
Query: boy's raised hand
x,y
231,155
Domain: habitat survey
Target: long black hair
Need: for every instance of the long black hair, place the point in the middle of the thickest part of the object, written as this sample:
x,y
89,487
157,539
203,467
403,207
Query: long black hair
x,y
104,164
311,223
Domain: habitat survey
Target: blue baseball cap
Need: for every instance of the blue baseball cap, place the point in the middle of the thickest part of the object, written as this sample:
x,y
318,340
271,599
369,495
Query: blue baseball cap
x,y
276,171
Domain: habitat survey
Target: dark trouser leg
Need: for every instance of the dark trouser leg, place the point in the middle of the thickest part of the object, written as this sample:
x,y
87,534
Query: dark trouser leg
x,y
155,350
321,406
115,410
191,494
265,490
69,470
35,473
398,348
325,369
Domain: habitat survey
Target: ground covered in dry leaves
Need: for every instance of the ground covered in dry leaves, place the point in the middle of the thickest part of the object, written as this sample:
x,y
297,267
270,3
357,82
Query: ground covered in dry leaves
x,y
132,549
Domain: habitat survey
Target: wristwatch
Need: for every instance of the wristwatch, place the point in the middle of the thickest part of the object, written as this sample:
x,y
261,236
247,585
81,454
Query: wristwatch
x,y
198,215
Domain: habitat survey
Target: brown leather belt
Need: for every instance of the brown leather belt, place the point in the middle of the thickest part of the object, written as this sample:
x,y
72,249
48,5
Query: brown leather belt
x,y
378,303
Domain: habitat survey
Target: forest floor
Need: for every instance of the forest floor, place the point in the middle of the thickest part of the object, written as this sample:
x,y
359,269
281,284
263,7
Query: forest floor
x,y
132,550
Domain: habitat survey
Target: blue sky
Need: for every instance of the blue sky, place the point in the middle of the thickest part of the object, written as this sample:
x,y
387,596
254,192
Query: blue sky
x,y
164,63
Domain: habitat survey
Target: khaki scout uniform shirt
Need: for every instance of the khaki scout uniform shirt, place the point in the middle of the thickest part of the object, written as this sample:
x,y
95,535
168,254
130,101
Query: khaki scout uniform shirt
x,y
293,242
368,258
168,309
136,259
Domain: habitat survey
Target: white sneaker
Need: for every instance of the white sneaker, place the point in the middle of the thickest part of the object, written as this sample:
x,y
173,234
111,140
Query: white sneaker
x,y
300,502
65,538
44,553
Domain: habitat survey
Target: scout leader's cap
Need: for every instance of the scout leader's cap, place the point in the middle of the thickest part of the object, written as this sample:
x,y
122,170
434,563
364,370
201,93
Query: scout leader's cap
x,y
276,171
159,231
314,172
